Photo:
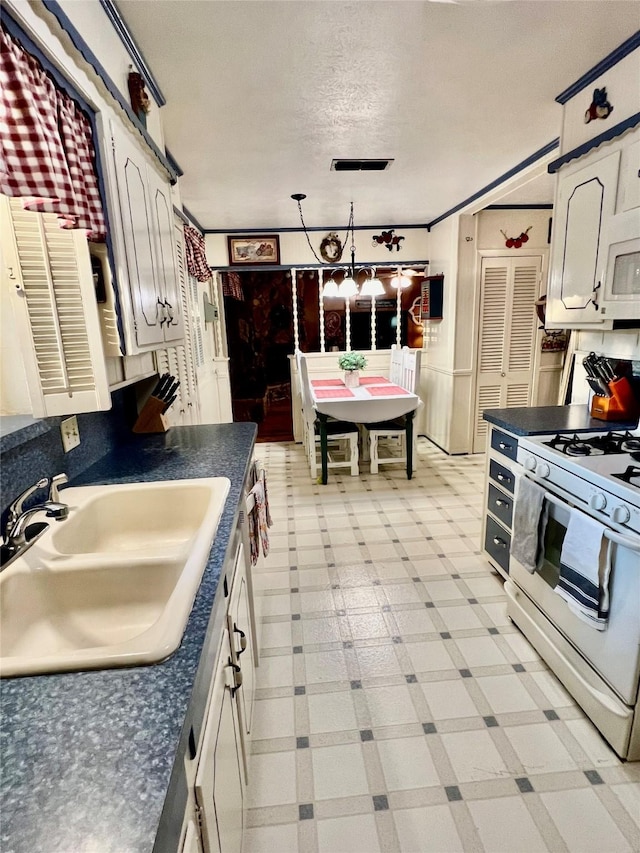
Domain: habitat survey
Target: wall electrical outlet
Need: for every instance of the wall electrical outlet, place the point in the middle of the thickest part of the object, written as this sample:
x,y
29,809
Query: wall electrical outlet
x,y
70,433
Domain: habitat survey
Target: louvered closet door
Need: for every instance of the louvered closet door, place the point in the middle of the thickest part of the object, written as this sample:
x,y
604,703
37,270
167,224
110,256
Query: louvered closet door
x,y
53,305
508,289
179,360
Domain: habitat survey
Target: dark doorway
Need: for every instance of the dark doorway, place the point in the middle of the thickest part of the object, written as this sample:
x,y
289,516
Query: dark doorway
x,y
259,321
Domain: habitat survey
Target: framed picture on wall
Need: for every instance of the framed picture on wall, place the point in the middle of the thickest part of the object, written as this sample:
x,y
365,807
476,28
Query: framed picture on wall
x,y
247,251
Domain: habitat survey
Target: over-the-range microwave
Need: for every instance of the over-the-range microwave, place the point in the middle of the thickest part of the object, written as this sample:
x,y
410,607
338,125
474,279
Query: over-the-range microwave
x,y
621,286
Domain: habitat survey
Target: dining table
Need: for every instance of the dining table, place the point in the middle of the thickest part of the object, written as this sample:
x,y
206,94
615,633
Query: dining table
x,y
374,400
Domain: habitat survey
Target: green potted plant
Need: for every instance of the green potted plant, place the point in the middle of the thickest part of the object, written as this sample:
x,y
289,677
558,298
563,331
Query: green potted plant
x,y
352,363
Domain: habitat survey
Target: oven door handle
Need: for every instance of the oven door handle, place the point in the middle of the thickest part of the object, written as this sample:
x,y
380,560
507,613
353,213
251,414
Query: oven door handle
x,y
631,542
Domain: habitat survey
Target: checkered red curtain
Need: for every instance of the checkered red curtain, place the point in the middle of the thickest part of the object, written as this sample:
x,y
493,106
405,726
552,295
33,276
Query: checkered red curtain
x,y
46,144
197,263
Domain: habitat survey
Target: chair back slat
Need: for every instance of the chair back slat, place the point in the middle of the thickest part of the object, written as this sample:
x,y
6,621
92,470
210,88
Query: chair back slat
x,y
411,360
395,365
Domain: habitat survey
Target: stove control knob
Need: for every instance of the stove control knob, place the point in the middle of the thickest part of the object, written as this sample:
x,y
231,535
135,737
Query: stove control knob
x,y
597,501
530,463
543,469
621,514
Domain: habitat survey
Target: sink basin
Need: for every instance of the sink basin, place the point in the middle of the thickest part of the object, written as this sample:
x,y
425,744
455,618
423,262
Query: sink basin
x,y
114,584
132,517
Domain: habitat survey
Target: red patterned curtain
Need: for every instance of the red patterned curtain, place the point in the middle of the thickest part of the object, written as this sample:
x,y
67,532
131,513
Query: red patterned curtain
x,y
46,144
197,263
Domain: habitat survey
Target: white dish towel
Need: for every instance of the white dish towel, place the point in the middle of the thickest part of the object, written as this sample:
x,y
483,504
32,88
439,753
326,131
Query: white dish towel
x,y
585,567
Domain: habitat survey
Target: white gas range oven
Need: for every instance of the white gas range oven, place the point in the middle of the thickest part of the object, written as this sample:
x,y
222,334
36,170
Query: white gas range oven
x,y
597,474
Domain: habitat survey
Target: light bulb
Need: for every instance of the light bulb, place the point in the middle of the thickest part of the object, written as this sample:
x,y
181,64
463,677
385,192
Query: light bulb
x,y
402,280
348,287
372,287
330,289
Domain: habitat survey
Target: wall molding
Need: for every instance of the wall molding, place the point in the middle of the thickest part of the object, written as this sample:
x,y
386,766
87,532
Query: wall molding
x,y
529,161
609,134
301,230
302,267
447,371
133,50
605,64
54,7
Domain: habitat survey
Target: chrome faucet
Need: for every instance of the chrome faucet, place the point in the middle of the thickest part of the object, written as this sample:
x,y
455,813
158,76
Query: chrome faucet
x,y
14,539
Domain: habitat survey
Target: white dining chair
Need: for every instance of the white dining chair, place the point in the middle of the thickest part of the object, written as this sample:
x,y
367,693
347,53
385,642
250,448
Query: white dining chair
x,y
393,433
342,436
395,365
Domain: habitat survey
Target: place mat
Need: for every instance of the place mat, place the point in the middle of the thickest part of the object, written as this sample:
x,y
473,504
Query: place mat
x,y
386,390
373,380
327,383
332,393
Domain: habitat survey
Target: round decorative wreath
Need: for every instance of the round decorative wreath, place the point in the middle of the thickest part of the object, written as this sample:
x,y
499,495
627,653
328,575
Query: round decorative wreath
x,y
331,248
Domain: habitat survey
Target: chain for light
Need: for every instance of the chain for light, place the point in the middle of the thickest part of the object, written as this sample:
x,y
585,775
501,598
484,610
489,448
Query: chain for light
x,y
346,236
304,228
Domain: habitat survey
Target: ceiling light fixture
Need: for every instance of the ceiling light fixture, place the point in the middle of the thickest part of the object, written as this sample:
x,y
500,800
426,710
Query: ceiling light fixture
x,y
372,286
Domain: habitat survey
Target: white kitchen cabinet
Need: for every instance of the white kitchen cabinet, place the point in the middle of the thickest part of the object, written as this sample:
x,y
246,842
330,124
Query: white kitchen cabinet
x,y
144,247
53,361
218,772
239,623
219,783
585,204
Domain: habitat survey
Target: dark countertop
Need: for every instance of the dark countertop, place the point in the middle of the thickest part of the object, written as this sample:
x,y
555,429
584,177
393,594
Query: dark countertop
x,y
538,420
87,757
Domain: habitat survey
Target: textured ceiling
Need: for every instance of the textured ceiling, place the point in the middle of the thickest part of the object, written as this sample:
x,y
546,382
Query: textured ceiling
x,y
261,96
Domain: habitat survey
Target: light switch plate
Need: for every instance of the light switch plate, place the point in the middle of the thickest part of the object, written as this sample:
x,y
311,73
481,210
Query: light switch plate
x,y
70,433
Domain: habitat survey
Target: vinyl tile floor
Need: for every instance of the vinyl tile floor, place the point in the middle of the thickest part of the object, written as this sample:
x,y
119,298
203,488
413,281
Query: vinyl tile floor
x,y
397,707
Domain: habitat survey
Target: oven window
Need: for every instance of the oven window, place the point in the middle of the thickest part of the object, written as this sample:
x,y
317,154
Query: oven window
x,y
554,537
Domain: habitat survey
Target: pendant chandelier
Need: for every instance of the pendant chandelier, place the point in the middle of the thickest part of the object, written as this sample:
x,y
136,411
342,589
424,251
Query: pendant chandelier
x,y
348,287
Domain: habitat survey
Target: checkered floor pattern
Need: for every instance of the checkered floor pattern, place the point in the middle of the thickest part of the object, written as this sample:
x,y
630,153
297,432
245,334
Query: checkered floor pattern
x,y
397,707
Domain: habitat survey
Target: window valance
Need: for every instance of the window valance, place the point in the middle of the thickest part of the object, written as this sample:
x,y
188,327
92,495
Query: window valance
x,y
47,156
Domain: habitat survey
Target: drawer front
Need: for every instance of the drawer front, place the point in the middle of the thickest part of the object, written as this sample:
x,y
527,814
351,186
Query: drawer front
x,y
504,443
497,542
503,476
500,505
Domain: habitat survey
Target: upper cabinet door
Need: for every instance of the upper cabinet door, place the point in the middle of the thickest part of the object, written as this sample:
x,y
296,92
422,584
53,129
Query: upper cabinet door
x,y
144,247
138,237
584,204
168,285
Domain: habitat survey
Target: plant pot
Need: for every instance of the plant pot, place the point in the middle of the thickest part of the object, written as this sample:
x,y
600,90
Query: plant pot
x,y
352,378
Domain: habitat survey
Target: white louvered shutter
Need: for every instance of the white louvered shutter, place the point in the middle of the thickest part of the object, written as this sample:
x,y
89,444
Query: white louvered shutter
x,y
508,290
51,298
179,360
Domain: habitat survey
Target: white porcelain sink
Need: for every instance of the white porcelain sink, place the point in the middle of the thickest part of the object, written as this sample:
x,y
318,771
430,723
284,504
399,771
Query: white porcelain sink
x,y
114,584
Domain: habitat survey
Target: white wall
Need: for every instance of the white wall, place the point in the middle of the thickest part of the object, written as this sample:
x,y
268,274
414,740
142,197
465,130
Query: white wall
x,y
294,248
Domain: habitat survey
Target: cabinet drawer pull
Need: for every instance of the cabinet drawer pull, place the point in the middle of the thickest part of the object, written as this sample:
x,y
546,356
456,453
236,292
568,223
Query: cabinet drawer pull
x,y
504,446
237,677
243,639
503,479
501,502
498,541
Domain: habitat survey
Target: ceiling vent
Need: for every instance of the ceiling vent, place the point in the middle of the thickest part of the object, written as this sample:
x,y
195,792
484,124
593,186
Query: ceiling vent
x,y
360,165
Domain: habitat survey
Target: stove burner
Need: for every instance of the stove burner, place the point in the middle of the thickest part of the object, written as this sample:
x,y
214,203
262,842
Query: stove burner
x,y
597,445
631,476
581,448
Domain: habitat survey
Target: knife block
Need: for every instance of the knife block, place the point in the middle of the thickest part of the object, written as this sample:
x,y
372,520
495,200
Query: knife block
x,y
620,406
151,418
